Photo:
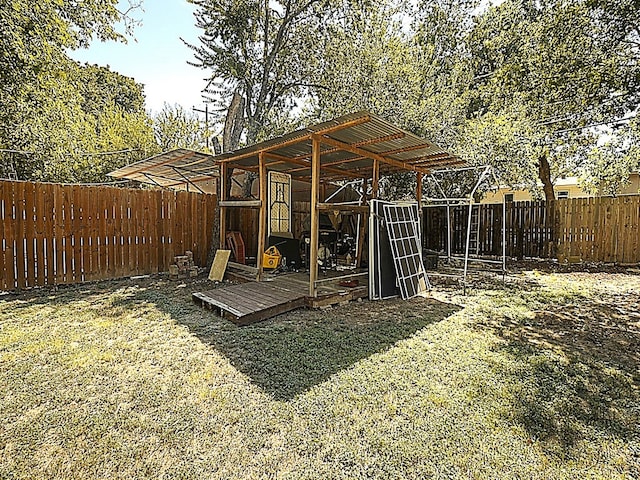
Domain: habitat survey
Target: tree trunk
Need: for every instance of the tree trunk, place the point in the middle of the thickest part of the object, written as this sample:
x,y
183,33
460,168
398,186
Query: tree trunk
x,y
233,125
544,172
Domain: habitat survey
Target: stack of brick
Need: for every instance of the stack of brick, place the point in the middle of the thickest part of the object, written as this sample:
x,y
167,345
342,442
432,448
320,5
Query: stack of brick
x,y
183,266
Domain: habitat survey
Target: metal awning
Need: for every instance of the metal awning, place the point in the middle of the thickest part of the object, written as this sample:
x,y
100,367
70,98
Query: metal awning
x,y
349,145
180,169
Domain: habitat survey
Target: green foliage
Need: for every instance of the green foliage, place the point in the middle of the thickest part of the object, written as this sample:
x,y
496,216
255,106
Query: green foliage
x,y
60,111
263,51
175,127
101,88
549,70
517,85
609,164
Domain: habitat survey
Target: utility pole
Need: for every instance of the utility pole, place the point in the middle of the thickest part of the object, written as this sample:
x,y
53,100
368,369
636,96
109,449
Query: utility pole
x,y
206,120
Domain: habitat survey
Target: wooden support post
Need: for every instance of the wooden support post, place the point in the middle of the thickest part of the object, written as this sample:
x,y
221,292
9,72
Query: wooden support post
x,y
222,211
376,178
262,222
315,233
419,200
363,220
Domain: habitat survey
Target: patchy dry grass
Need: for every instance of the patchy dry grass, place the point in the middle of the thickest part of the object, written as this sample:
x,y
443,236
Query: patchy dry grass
x,y
538,378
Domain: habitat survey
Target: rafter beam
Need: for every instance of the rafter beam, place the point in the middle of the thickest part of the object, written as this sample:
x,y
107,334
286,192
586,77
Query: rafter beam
x,y
406,149
300,139
256,153
443,161
307,165
435,156
380,158
371,141
351,123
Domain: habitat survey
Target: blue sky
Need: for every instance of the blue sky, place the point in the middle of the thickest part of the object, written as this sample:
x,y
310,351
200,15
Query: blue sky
x,y
156,57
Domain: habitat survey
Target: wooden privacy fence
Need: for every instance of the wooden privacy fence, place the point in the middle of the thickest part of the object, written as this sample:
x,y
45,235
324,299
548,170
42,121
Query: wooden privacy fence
x,y
59,234
600,229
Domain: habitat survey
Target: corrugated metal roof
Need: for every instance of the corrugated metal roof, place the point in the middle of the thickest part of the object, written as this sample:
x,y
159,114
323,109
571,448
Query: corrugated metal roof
x,y
348,145
179,169
361,137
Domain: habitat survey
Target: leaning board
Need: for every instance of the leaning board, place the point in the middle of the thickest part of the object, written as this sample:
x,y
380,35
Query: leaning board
x,y
403,229
219,265
382,274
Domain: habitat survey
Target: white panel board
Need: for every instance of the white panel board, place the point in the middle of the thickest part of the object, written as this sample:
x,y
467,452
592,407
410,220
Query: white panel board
x,y
403,228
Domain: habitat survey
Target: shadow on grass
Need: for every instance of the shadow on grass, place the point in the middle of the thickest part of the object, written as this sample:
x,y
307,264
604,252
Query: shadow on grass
x,y
284,356
575,372
289,354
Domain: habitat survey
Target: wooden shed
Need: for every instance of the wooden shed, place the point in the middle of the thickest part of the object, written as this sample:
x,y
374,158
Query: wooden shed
x,y
359,146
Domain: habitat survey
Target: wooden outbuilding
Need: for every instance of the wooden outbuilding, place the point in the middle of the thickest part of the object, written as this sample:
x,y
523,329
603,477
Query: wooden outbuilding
x,y
360,146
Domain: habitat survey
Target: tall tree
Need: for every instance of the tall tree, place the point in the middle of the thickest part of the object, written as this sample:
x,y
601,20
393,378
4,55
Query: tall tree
x,y
546,72
609,163
260,55
175,127
50,105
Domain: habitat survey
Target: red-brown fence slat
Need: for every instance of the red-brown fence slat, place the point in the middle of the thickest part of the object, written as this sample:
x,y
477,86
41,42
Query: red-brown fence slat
x,y
121,269
20,232
625,237
635,230
178,214
149,229
29,234
9,245
75,235
83,234
68,234
123,240
166,230
159,247
131,234
110,234
103,261
146,227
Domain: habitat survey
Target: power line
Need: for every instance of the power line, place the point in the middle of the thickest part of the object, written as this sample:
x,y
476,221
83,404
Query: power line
x,y
610,122
114,152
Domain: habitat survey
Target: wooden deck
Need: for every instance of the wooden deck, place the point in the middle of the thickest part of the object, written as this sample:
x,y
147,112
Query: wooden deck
x,y
253,301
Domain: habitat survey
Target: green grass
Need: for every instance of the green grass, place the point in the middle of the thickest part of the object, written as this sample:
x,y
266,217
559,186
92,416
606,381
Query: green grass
x,y
538,378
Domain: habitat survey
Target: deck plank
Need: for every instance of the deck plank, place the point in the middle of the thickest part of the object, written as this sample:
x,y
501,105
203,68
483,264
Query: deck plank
x,y
253,301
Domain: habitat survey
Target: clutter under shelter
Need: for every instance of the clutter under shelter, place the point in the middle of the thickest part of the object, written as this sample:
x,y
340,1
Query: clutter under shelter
x,y
314,232
352,242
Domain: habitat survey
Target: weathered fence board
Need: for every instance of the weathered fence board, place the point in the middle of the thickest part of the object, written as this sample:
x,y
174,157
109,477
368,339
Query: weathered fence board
x,y
55,234
600,229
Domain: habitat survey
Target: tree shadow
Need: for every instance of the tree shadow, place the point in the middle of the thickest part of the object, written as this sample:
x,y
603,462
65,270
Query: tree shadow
x,y
284,356
574,371
291,353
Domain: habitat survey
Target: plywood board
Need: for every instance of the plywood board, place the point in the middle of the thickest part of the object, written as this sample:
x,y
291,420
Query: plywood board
x,y
219,265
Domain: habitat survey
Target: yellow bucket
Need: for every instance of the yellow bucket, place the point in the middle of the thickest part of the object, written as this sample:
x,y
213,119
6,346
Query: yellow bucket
x,y
271,258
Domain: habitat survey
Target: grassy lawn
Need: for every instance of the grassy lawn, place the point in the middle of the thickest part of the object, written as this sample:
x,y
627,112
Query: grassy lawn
x,y
536,378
